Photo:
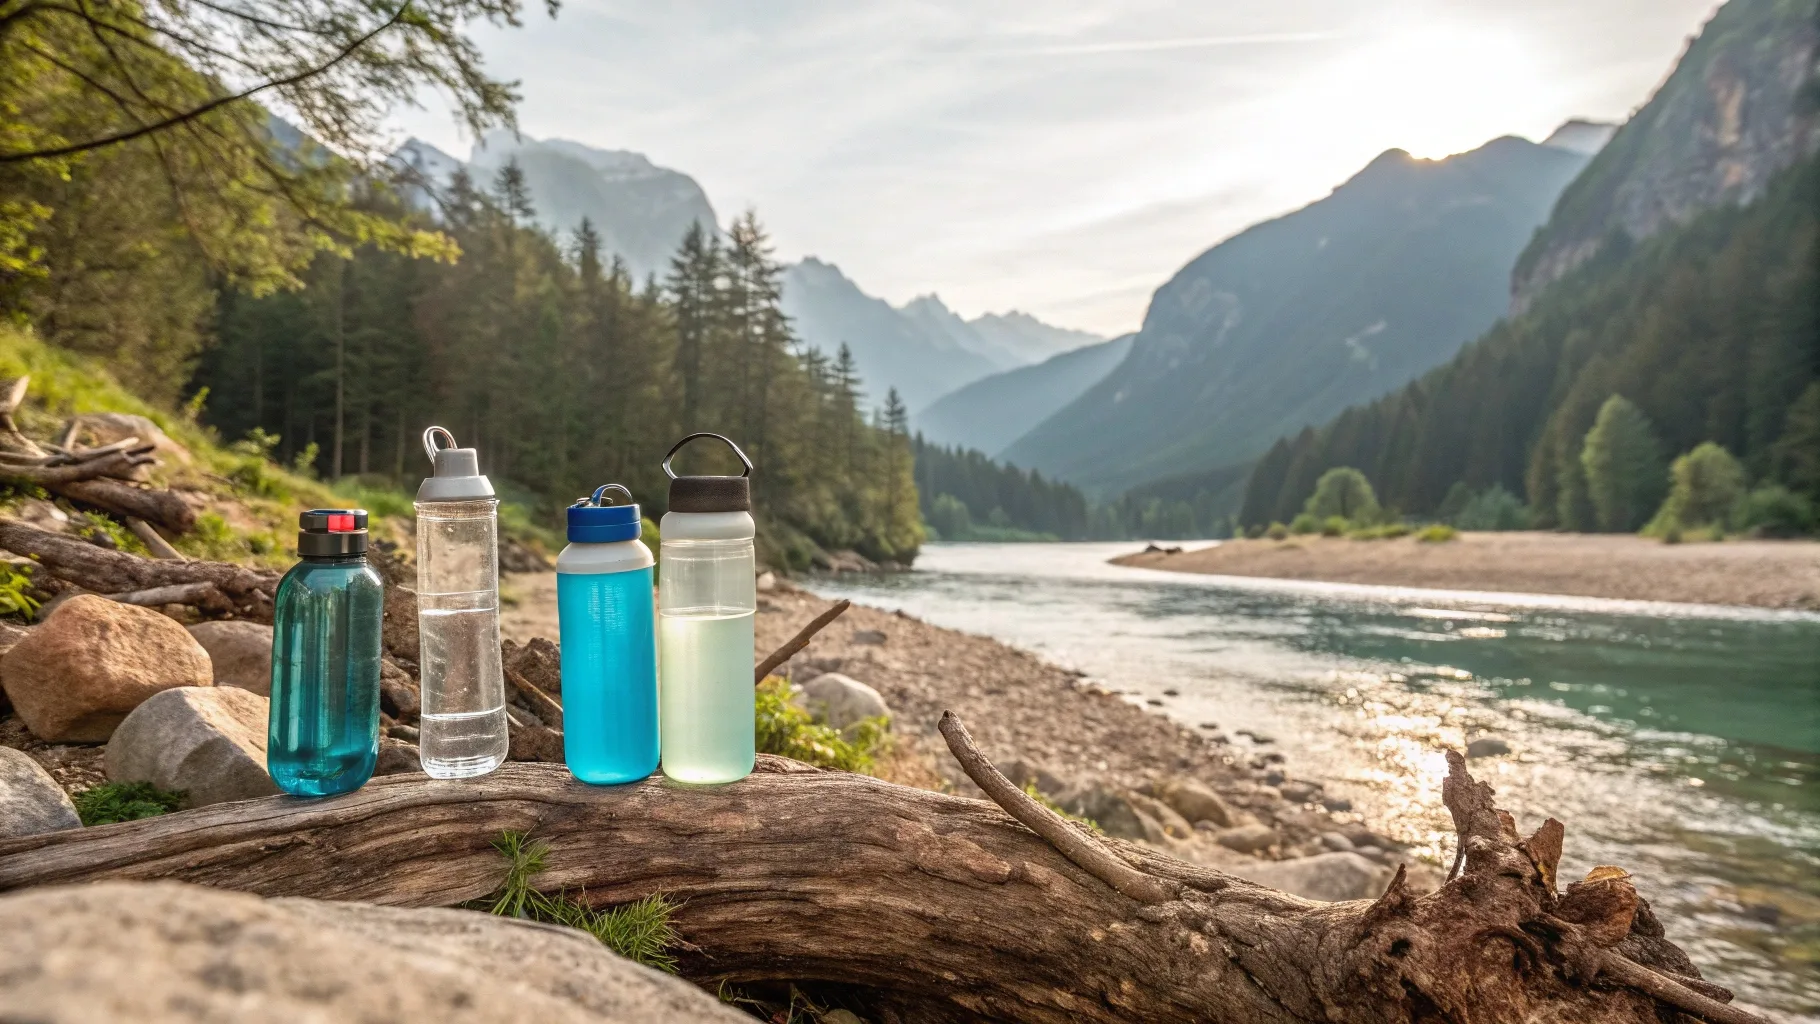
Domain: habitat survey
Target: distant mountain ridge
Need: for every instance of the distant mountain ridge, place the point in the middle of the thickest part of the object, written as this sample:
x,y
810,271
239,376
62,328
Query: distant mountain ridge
x,y
1295,318
923,349
640,209
992,412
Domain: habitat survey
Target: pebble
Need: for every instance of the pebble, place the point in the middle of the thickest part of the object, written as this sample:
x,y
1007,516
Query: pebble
x,y
1487,746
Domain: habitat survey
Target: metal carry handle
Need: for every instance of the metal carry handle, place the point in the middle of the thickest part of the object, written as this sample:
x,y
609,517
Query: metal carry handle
x,y
595,499
671,473
429,442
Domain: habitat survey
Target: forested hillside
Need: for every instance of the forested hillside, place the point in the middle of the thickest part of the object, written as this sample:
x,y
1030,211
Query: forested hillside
x,y
565,376
1710,329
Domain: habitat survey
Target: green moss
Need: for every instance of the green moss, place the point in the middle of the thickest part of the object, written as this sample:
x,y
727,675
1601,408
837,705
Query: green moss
x,y
788,730
14,580
124,801
639,931
1436,533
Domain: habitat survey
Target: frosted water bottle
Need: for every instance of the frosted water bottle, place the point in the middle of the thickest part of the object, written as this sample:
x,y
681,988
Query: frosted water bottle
x,y
322,731
609,643
707,598
462,732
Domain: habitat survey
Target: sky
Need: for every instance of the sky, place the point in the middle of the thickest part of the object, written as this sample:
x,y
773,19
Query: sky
x,y
1062,157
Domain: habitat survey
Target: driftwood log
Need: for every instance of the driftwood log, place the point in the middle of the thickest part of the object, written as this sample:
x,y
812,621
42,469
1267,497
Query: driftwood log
x,y
929,907
214,586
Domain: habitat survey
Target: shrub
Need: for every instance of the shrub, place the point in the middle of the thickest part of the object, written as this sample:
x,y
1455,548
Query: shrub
x,y
124,801
1436,533
1277,531
1491,509
1343,492
1622,460
787,730
1706,486
1775,511
1305,523
1383,531
1333,526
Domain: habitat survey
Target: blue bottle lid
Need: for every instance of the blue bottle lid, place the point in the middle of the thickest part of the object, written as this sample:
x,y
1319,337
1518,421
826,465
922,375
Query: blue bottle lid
x,y
591,522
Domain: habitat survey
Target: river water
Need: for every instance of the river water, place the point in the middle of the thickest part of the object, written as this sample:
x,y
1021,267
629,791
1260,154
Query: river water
x,y
1681,742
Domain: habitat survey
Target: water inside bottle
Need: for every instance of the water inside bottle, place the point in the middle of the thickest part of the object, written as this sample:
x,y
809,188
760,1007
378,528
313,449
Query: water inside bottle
x,y
463,731
706,696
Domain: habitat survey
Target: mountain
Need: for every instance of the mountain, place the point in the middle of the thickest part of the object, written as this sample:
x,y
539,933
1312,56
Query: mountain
x,y
1708,325
1292,319
640,209
990,413
924,349
1581,136
1736,112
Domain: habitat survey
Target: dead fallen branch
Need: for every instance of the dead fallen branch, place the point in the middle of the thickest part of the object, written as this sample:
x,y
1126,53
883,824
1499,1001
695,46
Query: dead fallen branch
x,y
154,541
799,641
244,592
935,908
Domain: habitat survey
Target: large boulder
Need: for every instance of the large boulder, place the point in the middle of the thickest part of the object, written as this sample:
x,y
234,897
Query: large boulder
x,y
87,666
841,701
166,953
240,651
30,800
1112,810
206,741
1195,802
1328,876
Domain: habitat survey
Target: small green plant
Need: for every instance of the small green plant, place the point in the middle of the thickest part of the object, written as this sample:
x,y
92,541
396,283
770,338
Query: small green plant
x,y
304,465
1277,531
213,539
124,801
1333,526
1436,533
1382,531
192,409
639,931
90,525
788,730
14,579
1304,523
1041,797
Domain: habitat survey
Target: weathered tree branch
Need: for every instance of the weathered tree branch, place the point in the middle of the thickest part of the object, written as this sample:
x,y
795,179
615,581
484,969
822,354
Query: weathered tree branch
x,y
799,641
247,592
154,541
934,908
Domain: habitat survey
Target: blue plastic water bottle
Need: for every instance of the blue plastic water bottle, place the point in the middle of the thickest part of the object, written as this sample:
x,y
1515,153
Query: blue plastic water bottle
x,y
323,729
609,643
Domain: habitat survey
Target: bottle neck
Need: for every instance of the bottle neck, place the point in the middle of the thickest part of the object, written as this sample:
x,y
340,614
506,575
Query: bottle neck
x,y
334,559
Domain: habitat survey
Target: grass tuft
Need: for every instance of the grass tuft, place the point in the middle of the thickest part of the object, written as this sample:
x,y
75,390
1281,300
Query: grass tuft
x,y
1437,533
124,801
788,730
639,930
1040,797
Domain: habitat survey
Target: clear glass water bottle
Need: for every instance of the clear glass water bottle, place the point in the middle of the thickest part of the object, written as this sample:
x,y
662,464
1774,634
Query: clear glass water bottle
x,y
609,643
322,732
707,601
463,731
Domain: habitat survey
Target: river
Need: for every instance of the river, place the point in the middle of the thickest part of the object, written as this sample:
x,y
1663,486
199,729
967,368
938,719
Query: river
x,y
1680,742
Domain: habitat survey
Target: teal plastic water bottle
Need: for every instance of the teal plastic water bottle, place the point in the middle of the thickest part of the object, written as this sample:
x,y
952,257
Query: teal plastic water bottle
x,y
707,603
323,725
609,643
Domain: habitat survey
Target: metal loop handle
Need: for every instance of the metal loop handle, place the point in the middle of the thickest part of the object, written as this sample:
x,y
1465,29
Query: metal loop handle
x,y
604,488
429,442
671,473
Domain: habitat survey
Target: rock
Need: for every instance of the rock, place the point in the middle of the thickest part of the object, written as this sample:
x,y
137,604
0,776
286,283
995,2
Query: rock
x,y
206,741
30,800
1336,804
95,429
871,637
517,556
842,561
1371,852
1172,692
1196,802
1336,842
240,651
1247,838
1299,792
166,953
1110,809
1172,824
534,743
1210,726
1328,876
1273,778
766,583
82,671
1487,746
841,701
43,515
398,692
1022,774
842,1017
397,757
539,662
398,625
1154,702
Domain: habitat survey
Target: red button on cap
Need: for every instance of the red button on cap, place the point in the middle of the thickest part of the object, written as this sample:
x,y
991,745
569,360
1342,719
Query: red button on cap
x,y
342,524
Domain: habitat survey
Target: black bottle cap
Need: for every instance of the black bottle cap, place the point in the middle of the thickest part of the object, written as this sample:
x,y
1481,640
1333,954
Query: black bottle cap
x,y
332,532
709,493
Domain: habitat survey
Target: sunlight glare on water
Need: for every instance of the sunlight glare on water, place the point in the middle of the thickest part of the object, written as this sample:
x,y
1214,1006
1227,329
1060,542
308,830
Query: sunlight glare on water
x,y
1679,741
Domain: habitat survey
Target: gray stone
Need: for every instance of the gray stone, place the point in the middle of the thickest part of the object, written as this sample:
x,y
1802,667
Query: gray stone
x,y
1022,774
240,651
873,637
166,953
1336,804
1171,823
1328,876
1196,802
1487,746
1109,808
1299,792
1336,842
30,800
1247,838
206,741
841,701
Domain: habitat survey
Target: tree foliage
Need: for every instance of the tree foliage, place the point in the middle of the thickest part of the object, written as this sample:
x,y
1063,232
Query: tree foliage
x,y
1624,468
1343,492
1705,487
